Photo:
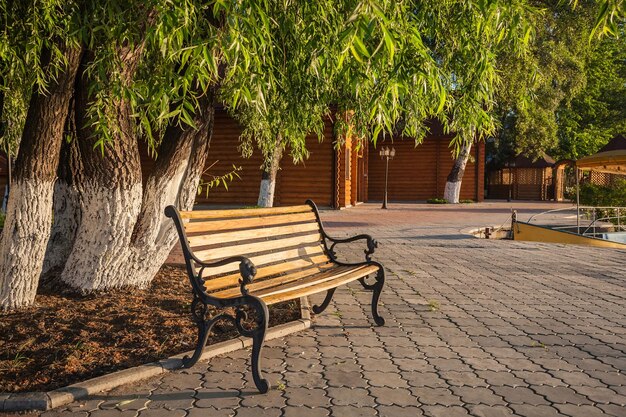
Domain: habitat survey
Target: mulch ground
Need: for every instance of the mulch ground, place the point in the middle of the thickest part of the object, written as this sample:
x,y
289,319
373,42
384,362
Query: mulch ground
x,y
67,339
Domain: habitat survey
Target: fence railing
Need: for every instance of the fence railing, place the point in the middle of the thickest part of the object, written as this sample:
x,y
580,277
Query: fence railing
x,y
589,218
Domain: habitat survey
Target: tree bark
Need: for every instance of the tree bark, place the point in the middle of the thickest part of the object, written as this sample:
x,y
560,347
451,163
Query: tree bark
x,y
124,237
268,179
29,212
110,190
452,191
67,214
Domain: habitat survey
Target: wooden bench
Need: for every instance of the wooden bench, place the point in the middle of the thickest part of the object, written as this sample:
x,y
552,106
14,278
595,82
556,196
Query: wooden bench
x,y
256,257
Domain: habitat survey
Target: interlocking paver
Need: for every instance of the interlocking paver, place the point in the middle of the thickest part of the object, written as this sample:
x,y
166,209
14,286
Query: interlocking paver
x,y
258,412
441,411
359,397
536,411
311,397
479,395
562,395
482,410
351,411
478,327
580,411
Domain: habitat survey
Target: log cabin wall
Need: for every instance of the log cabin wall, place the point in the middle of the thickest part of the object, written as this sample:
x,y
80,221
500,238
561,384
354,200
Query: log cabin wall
x,y
335,177
343,186
312,178
419,173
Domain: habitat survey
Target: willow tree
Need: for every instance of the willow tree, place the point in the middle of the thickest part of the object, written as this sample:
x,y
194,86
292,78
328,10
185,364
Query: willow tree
x,y
137,72
287,85
108,75
40,55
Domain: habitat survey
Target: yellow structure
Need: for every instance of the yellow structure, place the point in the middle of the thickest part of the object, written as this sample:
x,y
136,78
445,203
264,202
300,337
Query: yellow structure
x,y
534,233
610,159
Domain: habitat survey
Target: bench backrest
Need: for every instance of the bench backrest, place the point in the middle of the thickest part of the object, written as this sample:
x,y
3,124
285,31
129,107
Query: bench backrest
x,y
280,239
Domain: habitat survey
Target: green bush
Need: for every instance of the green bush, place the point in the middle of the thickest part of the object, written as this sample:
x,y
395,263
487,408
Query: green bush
x,y
2,216
466,201
608,196
604,196
436,201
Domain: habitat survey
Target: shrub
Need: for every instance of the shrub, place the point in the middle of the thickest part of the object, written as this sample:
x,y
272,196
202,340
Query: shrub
x,y
436,201
597,195
604,196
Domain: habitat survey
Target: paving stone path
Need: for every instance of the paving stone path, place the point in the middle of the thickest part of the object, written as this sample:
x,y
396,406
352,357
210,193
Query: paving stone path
x,y
474,327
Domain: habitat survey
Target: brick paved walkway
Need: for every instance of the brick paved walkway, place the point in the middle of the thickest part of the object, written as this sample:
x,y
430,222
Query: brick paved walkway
x,y
474,327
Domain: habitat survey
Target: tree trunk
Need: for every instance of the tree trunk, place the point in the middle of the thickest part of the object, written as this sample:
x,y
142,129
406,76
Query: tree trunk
x,y
110,191
453,184
67,214
268,179
29,212
174,181
124,237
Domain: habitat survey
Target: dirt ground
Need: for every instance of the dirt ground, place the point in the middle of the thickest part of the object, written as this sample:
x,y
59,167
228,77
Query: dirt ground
x,y
68,339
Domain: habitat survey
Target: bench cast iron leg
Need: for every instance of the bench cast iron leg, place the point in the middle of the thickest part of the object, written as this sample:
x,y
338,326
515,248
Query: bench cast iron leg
x,y
199,312
258,337
329,296
378,288
203,335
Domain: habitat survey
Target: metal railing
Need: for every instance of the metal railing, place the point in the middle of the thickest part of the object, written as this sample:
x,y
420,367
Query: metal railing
x,y
616,218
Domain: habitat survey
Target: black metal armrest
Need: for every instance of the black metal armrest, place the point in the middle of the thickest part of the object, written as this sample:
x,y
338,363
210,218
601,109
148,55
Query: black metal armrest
x,y
372,244
246,269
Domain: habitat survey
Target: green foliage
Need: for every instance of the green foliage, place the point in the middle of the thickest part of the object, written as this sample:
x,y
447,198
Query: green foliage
x,y
567,96
613,195
598,112
436,201
2,217
217,180
385,66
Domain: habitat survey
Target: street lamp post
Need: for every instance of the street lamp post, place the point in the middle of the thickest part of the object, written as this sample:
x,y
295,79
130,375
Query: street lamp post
x,y
387,154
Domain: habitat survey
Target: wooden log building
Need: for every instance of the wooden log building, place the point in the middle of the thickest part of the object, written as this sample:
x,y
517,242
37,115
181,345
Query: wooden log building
x,y
339,177
332,177
522,179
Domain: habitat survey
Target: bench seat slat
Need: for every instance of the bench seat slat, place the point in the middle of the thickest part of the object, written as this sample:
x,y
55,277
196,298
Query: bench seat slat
x,y
242,235
306,253
249,248
217,225
255,212
260,287
313,264
279,296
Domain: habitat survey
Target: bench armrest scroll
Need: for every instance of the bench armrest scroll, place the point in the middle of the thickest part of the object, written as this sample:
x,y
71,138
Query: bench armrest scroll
x,y
246,269
372,244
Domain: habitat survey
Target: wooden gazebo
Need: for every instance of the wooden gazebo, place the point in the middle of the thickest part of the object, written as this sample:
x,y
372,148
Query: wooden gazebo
x,y
522,178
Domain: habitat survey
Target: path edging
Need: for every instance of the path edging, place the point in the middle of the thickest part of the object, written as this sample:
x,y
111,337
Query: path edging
x,y
43,401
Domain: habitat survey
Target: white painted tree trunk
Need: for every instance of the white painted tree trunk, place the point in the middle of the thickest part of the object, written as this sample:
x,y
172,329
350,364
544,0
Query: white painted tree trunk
x,y
29,213
108,217
452,191
124,237
66,220
24,241
268,180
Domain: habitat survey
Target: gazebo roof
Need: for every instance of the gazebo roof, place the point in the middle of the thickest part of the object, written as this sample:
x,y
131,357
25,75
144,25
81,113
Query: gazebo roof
x,y
611,158
615,144
523,161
